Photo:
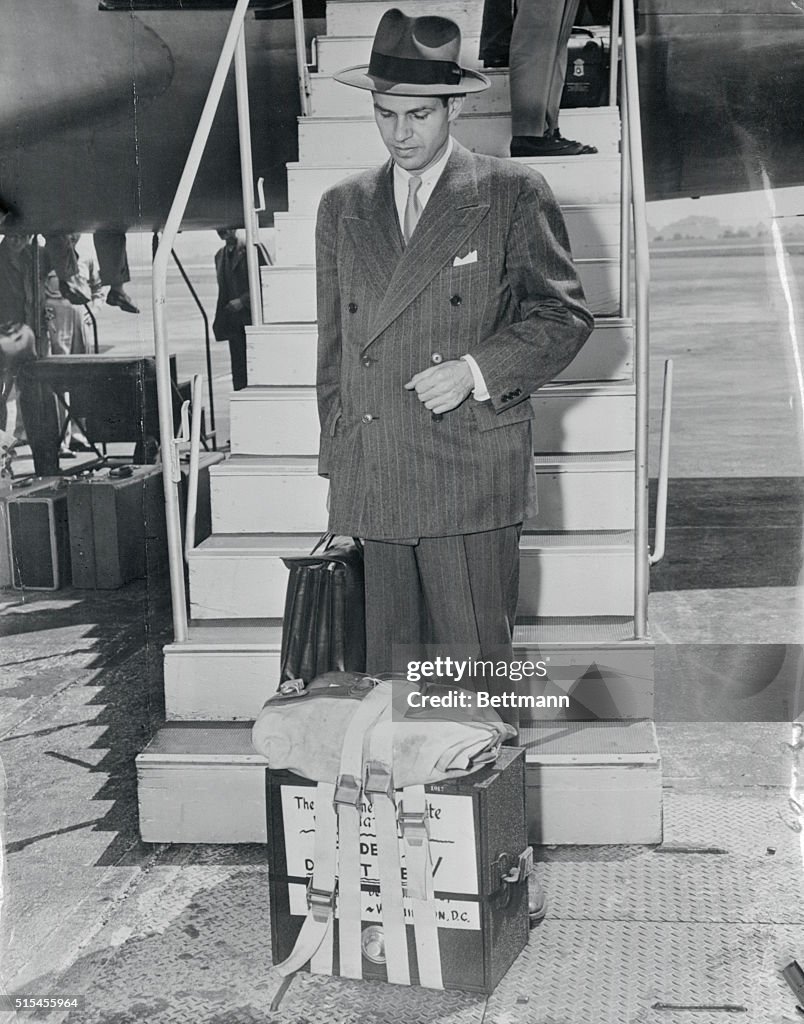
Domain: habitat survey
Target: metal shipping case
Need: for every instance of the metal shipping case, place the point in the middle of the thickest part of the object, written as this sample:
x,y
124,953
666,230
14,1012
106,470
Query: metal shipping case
x,y
117,527
477,834
13,488
38,538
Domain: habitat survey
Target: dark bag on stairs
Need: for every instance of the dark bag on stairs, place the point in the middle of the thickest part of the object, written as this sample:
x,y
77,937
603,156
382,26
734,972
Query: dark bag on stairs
x,y
324,624
587,70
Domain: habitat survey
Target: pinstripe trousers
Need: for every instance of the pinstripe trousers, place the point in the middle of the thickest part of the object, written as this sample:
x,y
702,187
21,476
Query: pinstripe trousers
x,y
443,596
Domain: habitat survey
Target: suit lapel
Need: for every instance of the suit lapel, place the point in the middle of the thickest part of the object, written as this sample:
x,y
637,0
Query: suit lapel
x,y
452,212
376,236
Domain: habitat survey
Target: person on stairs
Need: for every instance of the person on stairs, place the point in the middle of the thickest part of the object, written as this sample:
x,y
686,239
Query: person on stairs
x,y
446,296
233,310
112,253
533,43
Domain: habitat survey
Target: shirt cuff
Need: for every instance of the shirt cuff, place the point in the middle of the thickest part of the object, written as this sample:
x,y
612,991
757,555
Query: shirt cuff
x,y
480,392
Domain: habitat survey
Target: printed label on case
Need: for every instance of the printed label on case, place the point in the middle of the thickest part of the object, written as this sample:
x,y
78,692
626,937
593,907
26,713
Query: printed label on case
x,y
452,838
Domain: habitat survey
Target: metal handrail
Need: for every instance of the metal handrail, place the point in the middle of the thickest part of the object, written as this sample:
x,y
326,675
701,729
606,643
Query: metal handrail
x,y
641,324
192,475
660,534
170,460
247,180
302,70
625,208
614,52
207,347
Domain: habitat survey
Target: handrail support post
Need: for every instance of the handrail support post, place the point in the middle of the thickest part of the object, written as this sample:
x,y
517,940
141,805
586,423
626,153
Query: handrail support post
x,y
247,178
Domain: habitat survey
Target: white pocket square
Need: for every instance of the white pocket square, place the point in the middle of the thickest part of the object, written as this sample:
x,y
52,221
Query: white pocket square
x,y
461,261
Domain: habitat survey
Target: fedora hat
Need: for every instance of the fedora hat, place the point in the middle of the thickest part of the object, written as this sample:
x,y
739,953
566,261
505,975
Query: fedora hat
x,y
414,57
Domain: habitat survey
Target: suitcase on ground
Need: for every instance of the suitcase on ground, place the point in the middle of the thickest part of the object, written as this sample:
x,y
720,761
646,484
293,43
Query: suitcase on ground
x,y
38,536
12,488
587,75
117,526
478,834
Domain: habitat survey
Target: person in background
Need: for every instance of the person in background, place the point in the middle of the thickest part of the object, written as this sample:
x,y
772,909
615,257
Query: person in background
x,y
18,319
533,43
90,277
66,336
233,311
110,247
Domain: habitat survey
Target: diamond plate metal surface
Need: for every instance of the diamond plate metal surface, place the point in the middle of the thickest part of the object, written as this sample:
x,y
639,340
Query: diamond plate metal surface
x,y
566,631
554,738
629,930
614,973
639,885
744,821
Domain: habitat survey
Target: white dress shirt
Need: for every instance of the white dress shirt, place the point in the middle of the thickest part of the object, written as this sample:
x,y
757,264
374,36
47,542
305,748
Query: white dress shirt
x,y
429,181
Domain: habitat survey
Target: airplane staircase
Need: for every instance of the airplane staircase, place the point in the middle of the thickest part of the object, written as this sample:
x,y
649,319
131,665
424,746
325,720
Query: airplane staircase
x,y
593,777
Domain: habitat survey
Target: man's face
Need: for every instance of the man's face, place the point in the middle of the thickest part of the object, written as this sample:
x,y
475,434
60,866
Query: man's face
x,y
228,235
18,242
415,129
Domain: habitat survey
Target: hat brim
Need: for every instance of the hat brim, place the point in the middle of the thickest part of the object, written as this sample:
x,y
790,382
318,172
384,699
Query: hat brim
x,y
358,76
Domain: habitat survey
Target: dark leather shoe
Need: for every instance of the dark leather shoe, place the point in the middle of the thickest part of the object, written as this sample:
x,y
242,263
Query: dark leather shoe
x,y
118,297
537,900
552,144
75,291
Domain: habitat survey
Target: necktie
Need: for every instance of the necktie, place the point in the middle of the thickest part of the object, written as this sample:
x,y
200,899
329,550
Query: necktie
x,y
413,208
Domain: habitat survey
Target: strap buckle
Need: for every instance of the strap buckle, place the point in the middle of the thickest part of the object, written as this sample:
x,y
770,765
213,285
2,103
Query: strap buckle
x,y
347,791
292,688
522,868
379,779
321,902
414,826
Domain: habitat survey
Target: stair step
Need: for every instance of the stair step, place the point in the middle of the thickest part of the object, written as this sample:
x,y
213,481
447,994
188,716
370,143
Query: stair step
x,y
586,783
357,140
333,53
594,233
271,494
361,17
289,293
285,354
593,783
576,180
569,574
568,418
229,668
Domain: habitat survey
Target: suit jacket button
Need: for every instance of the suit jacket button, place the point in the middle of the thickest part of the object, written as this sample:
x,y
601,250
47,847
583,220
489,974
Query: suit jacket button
x,y
352,307
436,358
456,300
366,417
367,360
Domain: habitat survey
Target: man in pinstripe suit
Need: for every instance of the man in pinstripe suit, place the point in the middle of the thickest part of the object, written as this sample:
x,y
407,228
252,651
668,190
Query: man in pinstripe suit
x,y
446,296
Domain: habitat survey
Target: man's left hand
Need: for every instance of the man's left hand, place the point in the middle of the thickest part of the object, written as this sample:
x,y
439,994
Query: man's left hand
x,y
442,388
235,305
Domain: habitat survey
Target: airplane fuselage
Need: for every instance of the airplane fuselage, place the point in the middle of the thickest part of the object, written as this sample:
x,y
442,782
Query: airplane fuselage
x,y
99,108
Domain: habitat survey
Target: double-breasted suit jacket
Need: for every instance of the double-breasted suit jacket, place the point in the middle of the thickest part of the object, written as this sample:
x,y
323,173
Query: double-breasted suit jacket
x,y
487,272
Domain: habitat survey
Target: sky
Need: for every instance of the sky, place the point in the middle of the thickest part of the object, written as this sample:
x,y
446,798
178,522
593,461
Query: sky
x,y
735,208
